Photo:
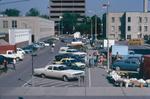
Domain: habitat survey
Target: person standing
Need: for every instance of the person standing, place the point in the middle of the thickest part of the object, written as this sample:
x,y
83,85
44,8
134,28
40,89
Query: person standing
x,y
5,65
52,49
14,64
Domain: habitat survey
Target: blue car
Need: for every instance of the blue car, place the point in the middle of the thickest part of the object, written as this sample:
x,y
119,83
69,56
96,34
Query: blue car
x,y
128,64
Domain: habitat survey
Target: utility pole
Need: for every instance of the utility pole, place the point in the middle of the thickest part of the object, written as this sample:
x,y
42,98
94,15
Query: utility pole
x,y
108,57
95,27
91,28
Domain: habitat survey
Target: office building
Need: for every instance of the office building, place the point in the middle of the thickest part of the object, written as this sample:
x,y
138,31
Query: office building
x,y
127,25
59,7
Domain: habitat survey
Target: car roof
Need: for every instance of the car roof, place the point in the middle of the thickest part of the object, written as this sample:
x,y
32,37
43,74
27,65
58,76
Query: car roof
x,y
56,65
67,59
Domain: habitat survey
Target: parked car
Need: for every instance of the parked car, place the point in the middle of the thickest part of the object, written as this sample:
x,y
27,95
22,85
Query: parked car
x,y
128,64
67,61
43,44
77,66
29,49
21,51
61,56
2,58
58,71
13,54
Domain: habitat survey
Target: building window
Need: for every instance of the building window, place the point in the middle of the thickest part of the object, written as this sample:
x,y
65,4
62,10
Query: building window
x,y
129,19
129,28
145,19
128,36
14,24
113,19
5,24
140,28
145,28
140,19
113,28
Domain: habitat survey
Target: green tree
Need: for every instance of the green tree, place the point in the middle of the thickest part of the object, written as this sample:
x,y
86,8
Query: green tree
x,y
33,12
85,26
69,22
11,12
44,16
99,30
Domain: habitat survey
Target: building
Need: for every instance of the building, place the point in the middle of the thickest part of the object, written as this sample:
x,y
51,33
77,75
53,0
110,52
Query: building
x,y
59,7
19,37
40,28
127,25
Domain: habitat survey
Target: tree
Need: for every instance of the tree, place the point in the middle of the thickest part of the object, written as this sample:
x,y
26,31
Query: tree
x,y
85,26
69,22
44,16
11,12
99,31
33,12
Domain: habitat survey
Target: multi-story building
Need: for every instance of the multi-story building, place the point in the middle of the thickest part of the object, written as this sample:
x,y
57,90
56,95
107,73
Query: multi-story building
x,y
127,25
40,28
59,7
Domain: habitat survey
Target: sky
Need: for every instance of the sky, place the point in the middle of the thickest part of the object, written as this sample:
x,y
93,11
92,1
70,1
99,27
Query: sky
x,y
92,6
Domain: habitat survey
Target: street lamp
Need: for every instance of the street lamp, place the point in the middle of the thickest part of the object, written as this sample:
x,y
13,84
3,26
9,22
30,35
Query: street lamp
x,y
33,55
108,57
60,17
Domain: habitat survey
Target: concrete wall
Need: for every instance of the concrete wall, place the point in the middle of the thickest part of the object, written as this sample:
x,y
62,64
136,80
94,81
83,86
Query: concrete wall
x,y
40,27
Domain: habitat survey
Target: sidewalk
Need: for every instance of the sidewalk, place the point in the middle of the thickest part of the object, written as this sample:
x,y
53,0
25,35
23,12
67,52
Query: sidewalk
x,y
74,91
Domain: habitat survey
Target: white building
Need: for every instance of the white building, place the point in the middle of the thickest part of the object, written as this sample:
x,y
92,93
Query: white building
x,y
19,36
40,28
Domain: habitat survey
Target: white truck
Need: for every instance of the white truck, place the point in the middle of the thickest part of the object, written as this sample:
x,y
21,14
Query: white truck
x,y
12,54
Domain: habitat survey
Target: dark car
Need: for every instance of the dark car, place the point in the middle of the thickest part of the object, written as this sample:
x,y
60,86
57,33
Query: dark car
x,y
128,64
29,49
60,56
2,58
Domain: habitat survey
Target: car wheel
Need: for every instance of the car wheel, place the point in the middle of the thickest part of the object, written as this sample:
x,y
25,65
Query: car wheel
x,y
65,78
43,75
117,68
138,69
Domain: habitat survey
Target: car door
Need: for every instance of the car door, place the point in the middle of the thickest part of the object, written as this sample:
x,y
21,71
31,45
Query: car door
x,y
49,71
134,65
56,72
126,65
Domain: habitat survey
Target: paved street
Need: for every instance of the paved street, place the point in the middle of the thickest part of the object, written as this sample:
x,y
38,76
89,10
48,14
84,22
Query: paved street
x,y
24,68
22,76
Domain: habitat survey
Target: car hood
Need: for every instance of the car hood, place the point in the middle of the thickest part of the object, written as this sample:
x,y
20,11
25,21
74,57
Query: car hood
x,y
74,71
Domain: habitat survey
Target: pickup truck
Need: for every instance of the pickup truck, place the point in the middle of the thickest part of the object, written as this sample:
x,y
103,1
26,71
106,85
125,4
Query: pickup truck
x,y
12,54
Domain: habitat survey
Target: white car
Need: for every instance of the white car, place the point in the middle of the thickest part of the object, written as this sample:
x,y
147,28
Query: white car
x,y
58,71
63,50
44,44
21,51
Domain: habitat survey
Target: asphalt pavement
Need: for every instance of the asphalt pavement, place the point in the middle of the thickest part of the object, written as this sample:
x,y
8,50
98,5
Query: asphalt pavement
x,y
23,72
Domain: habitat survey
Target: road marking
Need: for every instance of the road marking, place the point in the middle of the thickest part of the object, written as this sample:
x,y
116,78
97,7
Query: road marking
x,y
27,83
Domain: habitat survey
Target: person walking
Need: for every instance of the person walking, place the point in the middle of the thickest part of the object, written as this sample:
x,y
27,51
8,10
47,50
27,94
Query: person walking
x,y
14,64
52,49
5,65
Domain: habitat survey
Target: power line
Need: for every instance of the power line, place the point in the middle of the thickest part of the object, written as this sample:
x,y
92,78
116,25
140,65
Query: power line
x,y
11,2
